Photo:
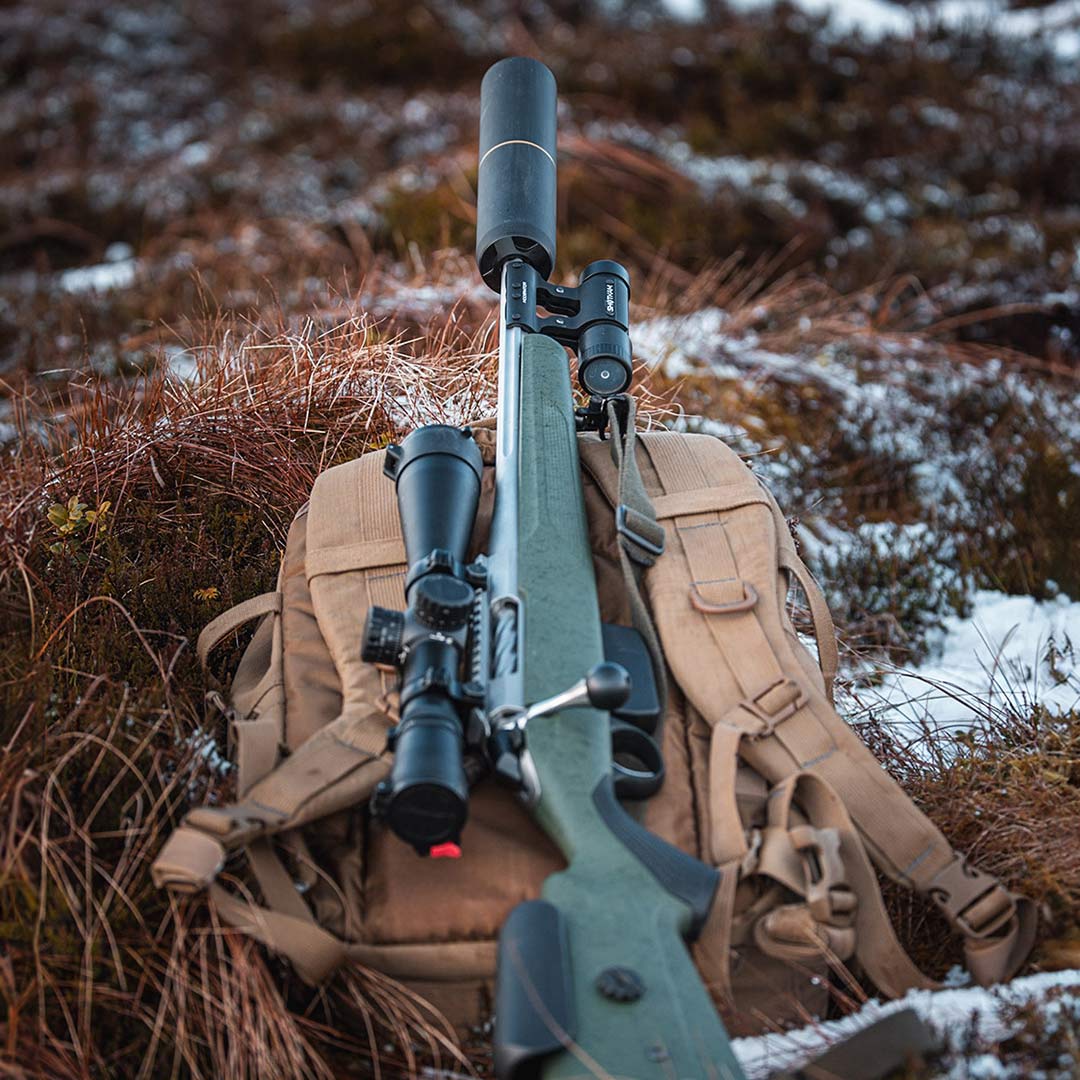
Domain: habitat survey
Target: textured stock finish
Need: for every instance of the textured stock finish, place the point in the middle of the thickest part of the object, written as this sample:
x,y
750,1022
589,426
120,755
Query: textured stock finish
x,y
641,1009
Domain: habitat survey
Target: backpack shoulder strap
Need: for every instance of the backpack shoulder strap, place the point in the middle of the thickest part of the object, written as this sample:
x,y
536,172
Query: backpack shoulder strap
x,y
713,595
820,616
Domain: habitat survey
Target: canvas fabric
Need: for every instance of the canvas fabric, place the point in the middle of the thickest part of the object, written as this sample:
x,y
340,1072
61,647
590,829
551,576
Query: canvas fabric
x,y
762,776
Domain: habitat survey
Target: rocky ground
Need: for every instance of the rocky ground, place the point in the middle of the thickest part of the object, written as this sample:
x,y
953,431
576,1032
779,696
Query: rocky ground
x,y
234,249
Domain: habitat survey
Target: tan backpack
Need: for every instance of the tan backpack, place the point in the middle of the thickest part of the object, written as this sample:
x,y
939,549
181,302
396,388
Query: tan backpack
x,y
762,775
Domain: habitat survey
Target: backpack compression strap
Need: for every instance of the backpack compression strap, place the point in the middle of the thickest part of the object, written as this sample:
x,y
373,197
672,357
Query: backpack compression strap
x,y
353,551
722,557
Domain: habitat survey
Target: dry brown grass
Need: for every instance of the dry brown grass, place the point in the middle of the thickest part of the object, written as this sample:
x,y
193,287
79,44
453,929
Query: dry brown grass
x,y
1006,792
103,729
102,721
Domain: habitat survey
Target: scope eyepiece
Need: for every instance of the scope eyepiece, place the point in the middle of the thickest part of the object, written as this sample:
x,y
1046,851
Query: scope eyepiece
x,y
425,798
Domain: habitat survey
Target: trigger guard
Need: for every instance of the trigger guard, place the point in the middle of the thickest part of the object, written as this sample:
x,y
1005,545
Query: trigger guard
x,y
635,784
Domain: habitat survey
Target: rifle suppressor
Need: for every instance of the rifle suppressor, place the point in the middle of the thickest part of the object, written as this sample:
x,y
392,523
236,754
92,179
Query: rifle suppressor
x,y
515,202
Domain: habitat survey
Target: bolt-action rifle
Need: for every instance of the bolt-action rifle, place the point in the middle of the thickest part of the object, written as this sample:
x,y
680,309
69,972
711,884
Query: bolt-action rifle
x,y
505,666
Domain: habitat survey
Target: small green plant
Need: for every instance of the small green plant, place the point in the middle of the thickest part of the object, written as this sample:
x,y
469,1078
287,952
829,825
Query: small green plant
x,y
74,521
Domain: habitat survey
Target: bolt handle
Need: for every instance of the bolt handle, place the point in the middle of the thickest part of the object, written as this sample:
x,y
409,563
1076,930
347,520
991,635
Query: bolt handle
x,y
606,686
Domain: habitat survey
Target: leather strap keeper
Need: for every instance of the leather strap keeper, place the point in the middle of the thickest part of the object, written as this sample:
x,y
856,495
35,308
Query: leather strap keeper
x,y
188,863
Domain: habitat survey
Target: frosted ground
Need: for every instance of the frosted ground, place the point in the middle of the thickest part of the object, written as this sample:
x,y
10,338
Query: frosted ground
x,y
963,1018
1007,651
986,656
156,172
1058,23
982,655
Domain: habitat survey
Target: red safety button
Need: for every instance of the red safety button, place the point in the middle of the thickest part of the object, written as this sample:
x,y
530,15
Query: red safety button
x,y
445,851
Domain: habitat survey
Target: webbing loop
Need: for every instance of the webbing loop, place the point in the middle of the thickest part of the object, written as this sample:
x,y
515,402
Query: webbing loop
x,y
709,607
773,705
642,534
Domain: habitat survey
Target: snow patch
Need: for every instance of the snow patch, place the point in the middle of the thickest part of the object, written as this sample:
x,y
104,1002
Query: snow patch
x,y
182,363
954,1013
1012,654
207,748
101,278
1058,23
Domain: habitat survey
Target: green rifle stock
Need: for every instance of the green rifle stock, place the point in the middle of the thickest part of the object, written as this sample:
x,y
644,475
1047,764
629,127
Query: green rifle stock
x,y
626,900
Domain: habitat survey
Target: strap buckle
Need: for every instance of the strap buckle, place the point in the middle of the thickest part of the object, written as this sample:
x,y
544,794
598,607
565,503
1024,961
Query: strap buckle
x,y
974,902
828,896
775,704
233,826
641,532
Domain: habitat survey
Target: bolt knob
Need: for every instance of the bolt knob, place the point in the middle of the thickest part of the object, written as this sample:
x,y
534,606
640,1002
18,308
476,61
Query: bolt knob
x,y
383,630
608,685
442,602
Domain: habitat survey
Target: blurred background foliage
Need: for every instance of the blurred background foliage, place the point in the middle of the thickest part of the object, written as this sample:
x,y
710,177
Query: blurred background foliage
x,y
235,248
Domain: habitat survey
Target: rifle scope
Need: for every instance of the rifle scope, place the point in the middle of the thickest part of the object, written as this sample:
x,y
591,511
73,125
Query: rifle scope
x,y
437,471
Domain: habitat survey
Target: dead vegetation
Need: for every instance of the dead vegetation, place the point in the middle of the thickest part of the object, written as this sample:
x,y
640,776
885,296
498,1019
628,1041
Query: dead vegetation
x,y
293,229
107,739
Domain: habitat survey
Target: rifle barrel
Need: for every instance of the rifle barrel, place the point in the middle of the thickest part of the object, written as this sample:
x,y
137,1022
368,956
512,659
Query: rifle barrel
x,y
506,688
